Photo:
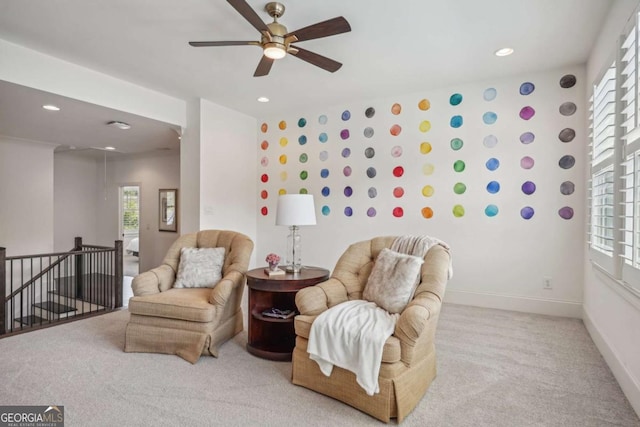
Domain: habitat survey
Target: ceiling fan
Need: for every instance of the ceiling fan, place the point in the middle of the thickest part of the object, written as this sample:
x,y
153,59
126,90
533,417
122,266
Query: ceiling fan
x,y
276,39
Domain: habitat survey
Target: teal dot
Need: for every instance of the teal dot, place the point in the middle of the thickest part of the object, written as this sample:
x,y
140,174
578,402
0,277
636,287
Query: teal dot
x,y
325,210
302,122
456,144
491,210
456,121
489,117
455,99
323,137
302,140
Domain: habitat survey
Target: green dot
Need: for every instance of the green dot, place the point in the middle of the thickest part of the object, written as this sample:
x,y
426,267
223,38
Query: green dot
x,y
458,211
459,188
303,158
304,175
456,144
458,166
303,191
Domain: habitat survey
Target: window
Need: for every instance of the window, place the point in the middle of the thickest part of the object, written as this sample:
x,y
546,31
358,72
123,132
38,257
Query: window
x,y
614,219
130,209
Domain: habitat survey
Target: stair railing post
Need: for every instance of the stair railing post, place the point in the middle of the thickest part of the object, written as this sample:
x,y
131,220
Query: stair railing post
x,y
79,273
119,273
3,291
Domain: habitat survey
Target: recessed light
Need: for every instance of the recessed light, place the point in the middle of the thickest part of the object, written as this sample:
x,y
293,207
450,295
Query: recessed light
x,y
505,51
51,107
119,125
110,148
263,99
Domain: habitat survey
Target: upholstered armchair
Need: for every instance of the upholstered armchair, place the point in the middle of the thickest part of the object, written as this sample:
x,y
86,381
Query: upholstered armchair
x,y
408,359
189,322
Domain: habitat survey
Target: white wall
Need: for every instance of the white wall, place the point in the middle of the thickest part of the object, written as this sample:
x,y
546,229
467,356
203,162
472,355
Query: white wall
x,y
190,170
498,261
26,191
75,193
152,172
227,179
611,313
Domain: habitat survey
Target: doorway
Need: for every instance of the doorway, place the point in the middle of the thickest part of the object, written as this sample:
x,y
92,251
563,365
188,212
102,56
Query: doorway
x,y
130,234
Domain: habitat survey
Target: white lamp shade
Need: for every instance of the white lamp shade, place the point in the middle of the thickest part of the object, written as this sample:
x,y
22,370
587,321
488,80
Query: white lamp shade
x,y
296,209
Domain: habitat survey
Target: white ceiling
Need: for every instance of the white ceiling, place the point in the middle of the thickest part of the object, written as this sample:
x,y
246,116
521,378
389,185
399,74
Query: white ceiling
x,y
393,48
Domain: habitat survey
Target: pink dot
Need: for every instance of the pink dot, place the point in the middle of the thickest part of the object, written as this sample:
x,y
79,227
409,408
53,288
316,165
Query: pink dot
x,y
527,112
398,192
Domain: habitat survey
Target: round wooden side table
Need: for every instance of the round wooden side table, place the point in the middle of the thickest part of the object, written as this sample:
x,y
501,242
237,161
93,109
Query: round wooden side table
x,y
273,338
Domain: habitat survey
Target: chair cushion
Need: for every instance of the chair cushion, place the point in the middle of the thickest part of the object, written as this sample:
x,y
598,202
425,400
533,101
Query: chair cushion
x,y
393,280
183,304
199,267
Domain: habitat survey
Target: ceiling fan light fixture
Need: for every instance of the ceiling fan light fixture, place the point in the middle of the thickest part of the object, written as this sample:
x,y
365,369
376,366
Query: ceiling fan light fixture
x,y
119,125
274,51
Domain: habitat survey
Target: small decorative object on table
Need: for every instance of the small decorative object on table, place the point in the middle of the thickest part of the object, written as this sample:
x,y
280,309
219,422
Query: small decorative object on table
x,y
279,314
273,260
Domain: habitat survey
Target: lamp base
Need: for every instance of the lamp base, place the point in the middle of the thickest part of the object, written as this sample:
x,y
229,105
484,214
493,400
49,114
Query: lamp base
x,y
292,268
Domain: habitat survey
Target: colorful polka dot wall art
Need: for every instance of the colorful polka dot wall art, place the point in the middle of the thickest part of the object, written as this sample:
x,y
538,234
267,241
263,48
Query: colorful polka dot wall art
x,y
527,212
527,88
567,135
489,118
491,211
369,112
424,104
489,94
455,122
527,138
492,164
526,113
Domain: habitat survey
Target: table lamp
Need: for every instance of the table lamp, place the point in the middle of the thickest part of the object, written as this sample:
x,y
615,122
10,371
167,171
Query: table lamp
x,y
295,210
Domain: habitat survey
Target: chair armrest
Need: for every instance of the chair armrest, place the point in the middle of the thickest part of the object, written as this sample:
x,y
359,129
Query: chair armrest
x,y
417,321
153,281
318,298
225,287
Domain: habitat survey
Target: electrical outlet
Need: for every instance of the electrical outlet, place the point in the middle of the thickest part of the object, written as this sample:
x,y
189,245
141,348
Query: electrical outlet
x,y
546,282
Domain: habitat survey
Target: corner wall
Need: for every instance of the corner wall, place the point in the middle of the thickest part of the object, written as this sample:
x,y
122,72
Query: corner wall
x,y
422,163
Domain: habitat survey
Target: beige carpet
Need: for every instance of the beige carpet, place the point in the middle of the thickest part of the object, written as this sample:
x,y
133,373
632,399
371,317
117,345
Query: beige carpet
x,y
495,368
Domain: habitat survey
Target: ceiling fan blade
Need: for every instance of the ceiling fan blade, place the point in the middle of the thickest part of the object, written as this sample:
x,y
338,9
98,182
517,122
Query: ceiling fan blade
x,y
264,66
232,43
249,14
326,28
315,59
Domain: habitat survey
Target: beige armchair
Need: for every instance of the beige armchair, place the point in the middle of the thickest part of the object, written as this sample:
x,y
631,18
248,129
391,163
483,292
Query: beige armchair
x,y
189,322
408,361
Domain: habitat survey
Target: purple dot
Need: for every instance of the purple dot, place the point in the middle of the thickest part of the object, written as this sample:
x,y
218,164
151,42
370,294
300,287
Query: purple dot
x,y
566,212
527,138
527,112
346,152
527,212
348,211
528,188
347,171
371,212
527,162
344,134
348,191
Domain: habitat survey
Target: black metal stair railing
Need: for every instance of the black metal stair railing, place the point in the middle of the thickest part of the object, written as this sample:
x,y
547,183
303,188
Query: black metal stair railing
x,y
42,290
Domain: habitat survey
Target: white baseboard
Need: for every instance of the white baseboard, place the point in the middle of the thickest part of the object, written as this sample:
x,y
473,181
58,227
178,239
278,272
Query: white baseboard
x,y
515,303
628,383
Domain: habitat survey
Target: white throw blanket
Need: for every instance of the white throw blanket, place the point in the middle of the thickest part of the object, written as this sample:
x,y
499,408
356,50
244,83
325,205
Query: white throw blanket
x,y
351,335
418,246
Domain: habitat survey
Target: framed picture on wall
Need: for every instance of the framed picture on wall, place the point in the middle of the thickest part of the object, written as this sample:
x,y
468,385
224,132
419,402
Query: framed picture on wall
x,y
168,206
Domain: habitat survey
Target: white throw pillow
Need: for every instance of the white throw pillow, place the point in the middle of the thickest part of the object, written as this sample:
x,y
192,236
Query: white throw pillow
x,y
393,280
199,267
